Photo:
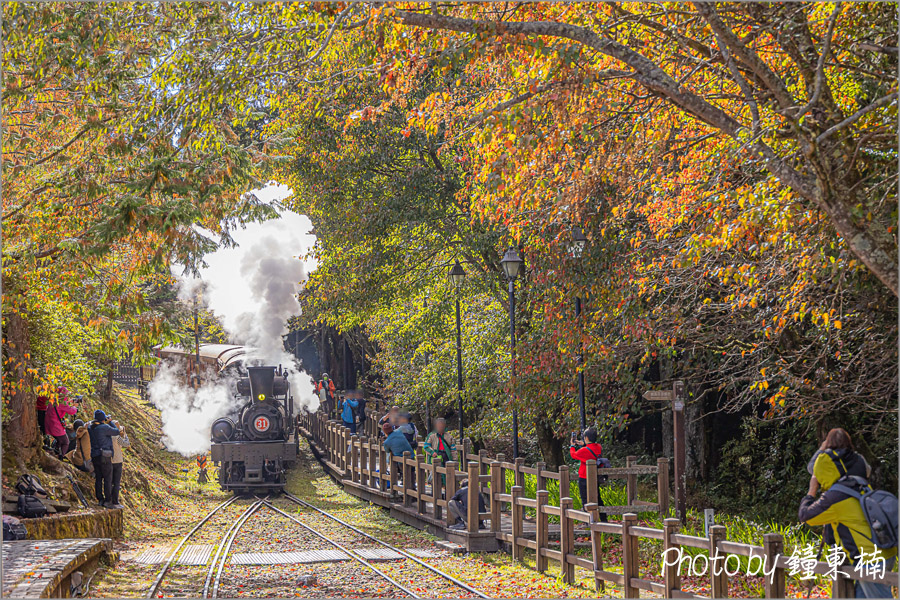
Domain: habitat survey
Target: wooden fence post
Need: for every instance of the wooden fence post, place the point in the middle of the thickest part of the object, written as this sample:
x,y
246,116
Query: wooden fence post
x,y
773,545
596,545
474,489
671,579
631,481
383,468
436,486
542,524
496,488
354,458
519,475
566,540
564,488
662,485
394,471
630,567
407,480
539,483
718,577
347,454
517,512
591,472
364,460
421,505
842,587
451,488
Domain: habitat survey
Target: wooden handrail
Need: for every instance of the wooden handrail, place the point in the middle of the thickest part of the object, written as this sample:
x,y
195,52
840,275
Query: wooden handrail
x,y
361,460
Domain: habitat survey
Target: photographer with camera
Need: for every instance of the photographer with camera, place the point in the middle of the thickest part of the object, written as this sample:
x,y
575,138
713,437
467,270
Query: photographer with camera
x,y
583,449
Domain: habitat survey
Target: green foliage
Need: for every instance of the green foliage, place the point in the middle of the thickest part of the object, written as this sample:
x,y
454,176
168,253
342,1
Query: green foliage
x,y
63,349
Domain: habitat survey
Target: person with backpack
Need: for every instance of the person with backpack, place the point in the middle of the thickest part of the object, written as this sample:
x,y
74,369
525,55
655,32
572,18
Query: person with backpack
x,y
347,414
409,430
80,456
850,507
436,444
101,434
118,459
588,449
54,420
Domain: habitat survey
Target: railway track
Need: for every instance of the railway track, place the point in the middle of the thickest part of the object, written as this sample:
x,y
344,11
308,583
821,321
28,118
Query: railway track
x,y
399,551
216,572
173,556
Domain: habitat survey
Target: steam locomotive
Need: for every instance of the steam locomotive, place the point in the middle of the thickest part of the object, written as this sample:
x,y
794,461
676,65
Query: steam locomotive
x,y
256,445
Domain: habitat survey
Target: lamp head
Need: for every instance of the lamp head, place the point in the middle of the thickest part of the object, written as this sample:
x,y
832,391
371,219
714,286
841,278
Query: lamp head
x,y
457,274
512,263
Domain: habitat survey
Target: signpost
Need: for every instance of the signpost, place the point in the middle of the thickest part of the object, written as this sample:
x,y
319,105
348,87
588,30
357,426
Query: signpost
x,y
709,519
676,396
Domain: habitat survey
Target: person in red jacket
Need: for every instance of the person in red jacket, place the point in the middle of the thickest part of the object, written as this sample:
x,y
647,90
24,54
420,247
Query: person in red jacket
x,y
54,421
583,450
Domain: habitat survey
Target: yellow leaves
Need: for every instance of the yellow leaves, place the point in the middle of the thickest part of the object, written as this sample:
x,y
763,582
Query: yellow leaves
x,y
837,324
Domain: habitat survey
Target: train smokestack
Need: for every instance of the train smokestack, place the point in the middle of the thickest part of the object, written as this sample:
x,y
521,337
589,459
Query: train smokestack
x,y
262,382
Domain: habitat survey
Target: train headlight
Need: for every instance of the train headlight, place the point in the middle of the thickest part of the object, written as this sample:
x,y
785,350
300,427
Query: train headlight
x,y
261,397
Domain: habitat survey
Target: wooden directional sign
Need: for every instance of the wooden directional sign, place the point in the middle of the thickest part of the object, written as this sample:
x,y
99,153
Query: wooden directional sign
x,y
659,395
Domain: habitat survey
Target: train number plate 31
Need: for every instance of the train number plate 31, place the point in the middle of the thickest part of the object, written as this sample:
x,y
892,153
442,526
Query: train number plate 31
x,y
261,423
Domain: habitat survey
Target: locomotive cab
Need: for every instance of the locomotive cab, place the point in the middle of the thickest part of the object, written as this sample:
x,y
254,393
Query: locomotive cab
x,y
254,449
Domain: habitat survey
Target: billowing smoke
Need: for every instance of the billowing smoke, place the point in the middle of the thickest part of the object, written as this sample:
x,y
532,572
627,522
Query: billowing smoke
x,y
187,414
252,288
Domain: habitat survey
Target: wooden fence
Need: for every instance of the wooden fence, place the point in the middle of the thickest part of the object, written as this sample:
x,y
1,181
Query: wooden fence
x,y
361,461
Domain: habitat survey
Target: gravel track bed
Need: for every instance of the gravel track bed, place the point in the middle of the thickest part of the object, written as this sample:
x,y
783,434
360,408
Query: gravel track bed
x,y
398,537
268,531
333,580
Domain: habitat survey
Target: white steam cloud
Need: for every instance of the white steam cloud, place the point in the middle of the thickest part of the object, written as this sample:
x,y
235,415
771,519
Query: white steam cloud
x,y
253,289
187,414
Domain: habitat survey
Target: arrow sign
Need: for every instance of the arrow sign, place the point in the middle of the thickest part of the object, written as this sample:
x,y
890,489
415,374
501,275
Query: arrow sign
x,y
659,395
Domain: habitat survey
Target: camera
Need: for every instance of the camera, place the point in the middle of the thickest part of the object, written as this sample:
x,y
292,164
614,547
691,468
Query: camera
x,y
78,399
573,438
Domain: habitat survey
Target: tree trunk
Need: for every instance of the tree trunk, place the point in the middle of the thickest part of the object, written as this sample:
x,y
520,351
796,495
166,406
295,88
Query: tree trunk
x,y
695,440
21,428
551,448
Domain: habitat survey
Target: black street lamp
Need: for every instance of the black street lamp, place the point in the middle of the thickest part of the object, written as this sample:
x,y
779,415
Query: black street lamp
x,y
458,276
427,398
512,264
576,248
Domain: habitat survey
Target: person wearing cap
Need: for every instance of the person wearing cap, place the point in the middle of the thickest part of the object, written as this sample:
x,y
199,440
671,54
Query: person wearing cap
x,y
101,434
54,421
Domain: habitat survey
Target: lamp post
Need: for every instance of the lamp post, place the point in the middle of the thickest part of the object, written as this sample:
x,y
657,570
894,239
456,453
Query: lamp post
x,y
576,248
512,263
458,276
427,398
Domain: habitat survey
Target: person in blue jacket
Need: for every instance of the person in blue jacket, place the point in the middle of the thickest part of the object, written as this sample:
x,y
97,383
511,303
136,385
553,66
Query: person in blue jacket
x,y
101,434
396,443
347,406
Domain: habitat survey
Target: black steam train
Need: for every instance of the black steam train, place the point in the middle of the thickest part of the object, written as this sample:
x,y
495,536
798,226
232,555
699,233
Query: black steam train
x,y
256,446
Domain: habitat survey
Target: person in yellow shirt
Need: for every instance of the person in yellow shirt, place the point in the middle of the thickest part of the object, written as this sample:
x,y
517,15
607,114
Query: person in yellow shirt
x,y
841,511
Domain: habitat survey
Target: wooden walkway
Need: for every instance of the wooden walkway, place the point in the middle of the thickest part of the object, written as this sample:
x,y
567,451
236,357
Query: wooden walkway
x,y
44,568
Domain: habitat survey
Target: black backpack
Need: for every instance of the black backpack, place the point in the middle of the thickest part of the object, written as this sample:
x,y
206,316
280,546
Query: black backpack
x,y
601,463
29,485
30,507
878,506
13,529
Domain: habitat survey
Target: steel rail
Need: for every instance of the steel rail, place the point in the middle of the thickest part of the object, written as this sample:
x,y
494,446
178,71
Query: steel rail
x,y
415,559
345,550
224,548
171,559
